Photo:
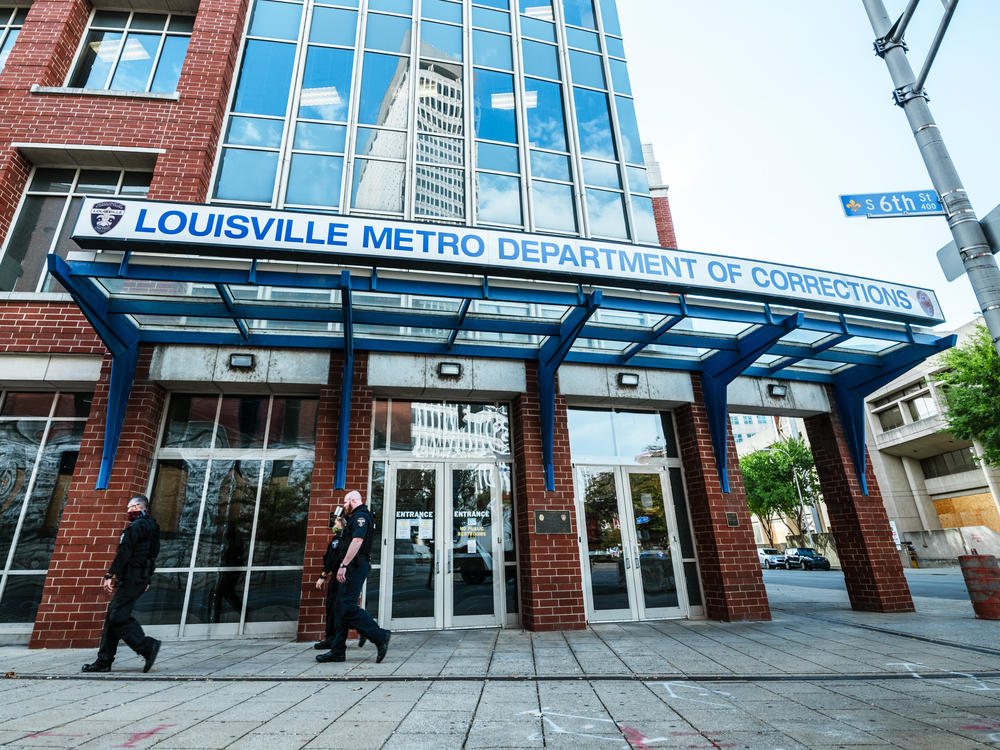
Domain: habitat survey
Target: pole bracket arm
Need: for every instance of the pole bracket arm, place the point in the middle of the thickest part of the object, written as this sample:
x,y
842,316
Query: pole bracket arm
x,y
905,94
885,44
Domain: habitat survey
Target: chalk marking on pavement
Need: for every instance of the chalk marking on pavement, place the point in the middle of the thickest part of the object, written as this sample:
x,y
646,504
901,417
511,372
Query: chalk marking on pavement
x,y
139,736
944,674
702,692
632,737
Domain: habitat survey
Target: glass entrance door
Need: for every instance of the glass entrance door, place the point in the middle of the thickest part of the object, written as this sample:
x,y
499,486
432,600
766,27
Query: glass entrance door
x,y
444,558
630,551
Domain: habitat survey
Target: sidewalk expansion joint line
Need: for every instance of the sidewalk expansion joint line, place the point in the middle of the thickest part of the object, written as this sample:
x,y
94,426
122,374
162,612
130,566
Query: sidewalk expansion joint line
x,y
668,677
899,633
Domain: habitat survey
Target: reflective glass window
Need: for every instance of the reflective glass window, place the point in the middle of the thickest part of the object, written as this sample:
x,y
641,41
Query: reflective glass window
x,y
315,180
276,20
441,10
293,423
579,13
388,33
496,157
609,17
540,59
638,182
129,51
441,40
246,175
439,192
326,84
537,9
615,47
553,207
384,90
492,50
254,131
437,150
313,136
630,130
645,221
619,77
594,124
498,198
532,27
546,119
495,117
11,20
601,174
587,40
587,69
607,214
389,144
441,105
484,18
265,76
333,26
378,185
550,166
501,4
393,6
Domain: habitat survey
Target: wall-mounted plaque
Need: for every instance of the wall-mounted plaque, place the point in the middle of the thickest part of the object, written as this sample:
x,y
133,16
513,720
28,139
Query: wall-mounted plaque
x,y
553,522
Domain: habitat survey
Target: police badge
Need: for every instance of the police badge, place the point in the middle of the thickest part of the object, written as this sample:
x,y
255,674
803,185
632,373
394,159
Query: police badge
x,y
925,302
104,216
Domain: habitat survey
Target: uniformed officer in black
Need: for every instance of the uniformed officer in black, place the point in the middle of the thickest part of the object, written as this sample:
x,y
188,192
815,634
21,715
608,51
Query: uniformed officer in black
x,y
351,575
331,562
126,580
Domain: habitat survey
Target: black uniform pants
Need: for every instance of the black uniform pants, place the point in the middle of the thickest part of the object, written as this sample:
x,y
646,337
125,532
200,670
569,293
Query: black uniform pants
x,y
331,606
119,625
350,615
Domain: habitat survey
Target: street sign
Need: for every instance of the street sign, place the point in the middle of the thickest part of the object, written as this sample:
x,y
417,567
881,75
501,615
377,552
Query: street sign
x,y
882,205
951,260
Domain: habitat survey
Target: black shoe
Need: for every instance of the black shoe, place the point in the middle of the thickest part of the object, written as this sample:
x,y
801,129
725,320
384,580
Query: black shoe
x,y
330,656
323,645
151,656
97,666
362,641
382,647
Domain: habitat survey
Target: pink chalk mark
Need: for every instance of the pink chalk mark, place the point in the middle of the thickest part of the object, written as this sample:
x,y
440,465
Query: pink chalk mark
x,y
635,738
139,736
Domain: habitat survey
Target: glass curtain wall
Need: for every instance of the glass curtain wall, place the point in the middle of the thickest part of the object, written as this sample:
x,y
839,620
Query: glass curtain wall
x,y
230,492
39,441
482,113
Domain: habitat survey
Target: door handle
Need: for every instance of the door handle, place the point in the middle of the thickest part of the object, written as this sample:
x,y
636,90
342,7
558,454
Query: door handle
x,y
449,562
636,562
437,566
627,566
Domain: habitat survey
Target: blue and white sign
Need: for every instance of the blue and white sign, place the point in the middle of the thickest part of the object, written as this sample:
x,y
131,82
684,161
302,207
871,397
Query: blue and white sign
x,y
241,232
880,205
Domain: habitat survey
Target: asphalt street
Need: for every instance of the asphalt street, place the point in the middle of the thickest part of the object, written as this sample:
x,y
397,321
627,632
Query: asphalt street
x,y
818,676
935,583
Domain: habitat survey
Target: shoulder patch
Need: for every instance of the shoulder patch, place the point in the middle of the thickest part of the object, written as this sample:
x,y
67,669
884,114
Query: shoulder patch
x,y
361,522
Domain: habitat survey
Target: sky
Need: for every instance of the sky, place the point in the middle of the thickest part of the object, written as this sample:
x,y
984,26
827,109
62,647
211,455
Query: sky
x,y
763,113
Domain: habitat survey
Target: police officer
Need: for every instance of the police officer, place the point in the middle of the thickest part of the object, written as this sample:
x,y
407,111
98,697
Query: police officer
x,y
126,580
351,574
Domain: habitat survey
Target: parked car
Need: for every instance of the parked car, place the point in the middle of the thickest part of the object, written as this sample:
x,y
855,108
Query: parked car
x,y
806,558
770,558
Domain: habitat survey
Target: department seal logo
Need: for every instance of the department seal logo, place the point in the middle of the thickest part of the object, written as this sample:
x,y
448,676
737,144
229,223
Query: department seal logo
x,y
104,216
925,302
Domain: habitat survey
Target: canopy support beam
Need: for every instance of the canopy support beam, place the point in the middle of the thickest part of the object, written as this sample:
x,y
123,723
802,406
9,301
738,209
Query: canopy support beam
x,y
723,368
550,356
346,384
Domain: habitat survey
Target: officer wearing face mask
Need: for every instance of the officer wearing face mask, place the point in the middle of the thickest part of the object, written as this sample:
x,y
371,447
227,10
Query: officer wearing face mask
x,y
126,580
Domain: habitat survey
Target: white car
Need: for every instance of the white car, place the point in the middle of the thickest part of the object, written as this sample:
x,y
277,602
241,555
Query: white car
x,y
771,558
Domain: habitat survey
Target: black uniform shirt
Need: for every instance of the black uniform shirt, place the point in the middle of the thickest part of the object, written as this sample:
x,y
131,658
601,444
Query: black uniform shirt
x,y
334,553
361,526
138,547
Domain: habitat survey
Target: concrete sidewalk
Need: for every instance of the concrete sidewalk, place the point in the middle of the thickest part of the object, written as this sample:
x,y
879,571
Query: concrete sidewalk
x,y
817,676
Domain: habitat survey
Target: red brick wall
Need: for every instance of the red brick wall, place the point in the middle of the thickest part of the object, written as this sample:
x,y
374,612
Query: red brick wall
x,y
860,526
72,609
550,576
46,327
323,498
664,222
730,570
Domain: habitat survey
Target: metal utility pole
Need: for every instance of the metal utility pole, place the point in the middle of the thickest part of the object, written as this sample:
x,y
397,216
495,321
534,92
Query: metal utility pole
x,y
977,255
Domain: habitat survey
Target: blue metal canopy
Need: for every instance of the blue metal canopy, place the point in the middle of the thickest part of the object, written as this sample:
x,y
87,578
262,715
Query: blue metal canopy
x,y
138,298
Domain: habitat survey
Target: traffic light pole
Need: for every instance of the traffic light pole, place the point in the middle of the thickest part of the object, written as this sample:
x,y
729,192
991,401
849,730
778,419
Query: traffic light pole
x,y
973,246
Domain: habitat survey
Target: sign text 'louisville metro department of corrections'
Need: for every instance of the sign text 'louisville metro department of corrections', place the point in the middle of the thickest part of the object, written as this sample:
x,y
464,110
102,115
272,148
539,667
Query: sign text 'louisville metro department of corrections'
x,y
262,233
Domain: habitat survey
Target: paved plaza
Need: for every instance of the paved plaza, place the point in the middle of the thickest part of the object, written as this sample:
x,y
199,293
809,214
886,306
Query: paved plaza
x,y
818,676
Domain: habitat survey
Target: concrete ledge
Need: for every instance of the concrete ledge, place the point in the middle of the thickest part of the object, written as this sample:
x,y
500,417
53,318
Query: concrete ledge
x,y
416,376
49,371
595,385
750,395
274,370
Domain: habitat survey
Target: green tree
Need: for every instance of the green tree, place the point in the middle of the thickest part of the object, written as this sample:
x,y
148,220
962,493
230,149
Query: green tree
x,y
769,479
972,390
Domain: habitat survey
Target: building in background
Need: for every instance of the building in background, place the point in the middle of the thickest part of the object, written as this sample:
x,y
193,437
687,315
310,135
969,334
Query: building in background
x,y
255,252
941,499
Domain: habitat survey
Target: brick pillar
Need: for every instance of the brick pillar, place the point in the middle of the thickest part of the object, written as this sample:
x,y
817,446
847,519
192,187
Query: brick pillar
x,y
323,498
860,526
664,219
71,613
727,555
549,564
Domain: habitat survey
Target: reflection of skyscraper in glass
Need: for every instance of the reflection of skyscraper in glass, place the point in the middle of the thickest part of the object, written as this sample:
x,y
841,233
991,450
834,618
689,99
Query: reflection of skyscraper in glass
x,y
440,154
